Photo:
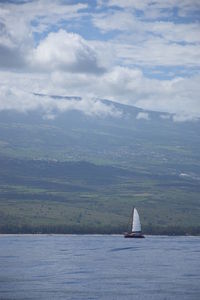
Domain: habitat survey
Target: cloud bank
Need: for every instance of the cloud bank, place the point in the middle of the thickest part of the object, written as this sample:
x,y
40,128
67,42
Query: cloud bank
x,y
16,99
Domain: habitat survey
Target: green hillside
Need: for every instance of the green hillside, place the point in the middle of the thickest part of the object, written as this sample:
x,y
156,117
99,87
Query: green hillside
x,y
81,174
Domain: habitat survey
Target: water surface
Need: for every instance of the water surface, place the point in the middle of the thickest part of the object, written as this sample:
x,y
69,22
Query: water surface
x,y
99,267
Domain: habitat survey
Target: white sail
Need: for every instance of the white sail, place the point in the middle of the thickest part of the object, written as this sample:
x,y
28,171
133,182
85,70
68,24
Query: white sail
x,y
136,226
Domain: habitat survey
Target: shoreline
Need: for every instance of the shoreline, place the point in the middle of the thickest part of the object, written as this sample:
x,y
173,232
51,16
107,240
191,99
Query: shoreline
x,y
93,234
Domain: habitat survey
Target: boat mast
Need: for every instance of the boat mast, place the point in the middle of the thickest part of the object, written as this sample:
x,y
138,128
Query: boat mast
x,y
132,220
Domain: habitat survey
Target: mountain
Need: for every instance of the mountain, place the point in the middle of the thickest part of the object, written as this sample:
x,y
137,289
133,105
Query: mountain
x,y
80,173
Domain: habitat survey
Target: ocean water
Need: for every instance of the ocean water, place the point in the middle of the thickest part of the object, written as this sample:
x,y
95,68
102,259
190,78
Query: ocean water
x,y
99,267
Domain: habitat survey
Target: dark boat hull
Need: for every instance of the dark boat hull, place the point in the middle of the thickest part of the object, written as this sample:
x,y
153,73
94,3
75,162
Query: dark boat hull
x,y
134,235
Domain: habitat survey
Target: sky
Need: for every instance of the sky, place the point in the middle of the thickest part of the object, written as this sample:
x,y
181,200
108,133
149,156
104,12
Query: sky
x,y
141,53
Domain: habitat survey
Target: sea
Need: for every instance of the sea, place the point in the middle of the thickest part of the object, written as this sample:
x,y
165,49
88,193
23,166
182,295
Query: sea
x,y
99,267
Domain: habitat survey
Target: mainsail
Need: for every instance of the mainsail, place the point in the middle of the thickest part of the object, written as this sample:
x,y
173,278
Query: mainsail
x,y
136,226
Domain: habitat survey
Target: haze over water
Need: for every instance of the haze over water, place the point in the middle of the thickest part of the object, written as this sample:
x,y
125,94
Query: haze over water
x,y
99,267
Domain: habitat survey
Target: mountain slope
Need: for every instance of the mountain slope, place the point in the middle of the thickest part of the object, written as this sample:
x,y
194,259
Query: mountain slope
x,y
125,140
77,173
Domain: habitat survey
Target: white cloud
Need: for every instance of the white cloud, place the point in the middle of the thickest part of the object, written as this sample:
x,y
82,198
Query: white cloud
x,y
36,16
116,21
185,117
188,33
183,6
165,116
139,41
142,116
178,96
157,52
65,51
125,21
19,21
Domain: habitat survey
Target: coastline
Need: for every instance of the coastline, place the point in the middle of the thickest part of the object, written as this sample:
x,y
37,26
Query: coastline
x,y
93,234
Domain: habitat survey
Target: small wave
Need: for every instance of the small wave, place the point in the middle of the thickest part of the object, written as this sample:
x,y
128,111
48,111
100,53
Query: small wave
x,y
124,248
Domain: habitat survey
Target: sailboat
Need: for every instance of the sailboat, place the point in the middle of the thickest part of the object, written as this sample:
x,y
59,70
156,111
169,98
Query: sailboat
x,y
136,231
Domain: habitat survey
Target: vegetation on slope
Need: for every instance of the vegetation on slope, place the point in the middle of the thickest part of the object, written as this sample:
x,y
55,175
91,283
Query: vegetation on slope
x,y
70,197
83,174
